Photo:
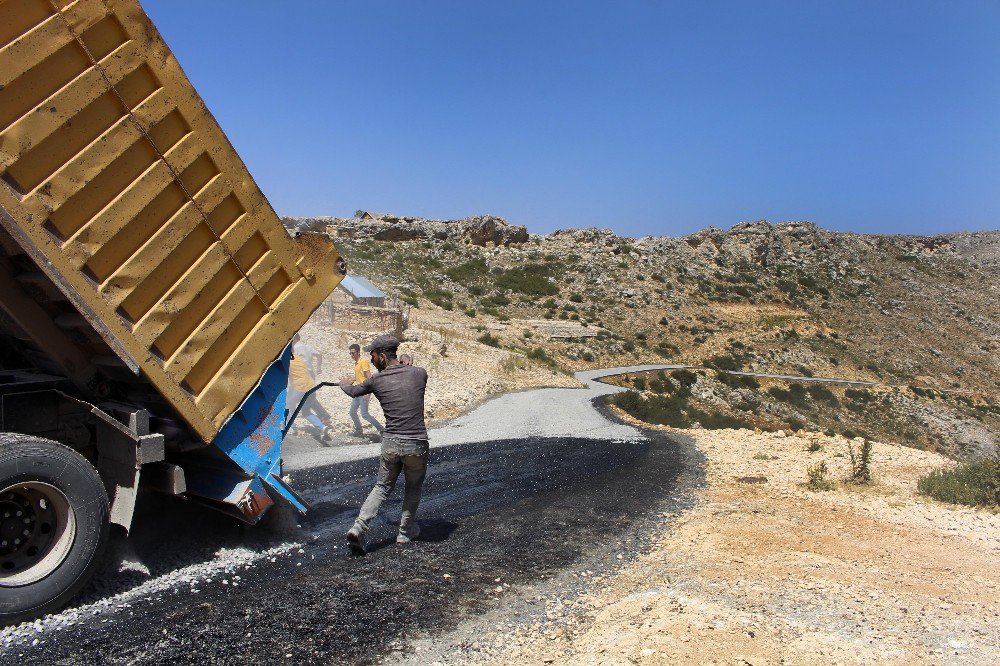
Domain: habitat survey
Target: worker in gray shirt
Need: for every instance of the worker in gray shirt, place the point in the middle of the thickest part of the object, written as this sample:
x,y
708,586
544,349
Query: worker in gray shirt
x,y
400,390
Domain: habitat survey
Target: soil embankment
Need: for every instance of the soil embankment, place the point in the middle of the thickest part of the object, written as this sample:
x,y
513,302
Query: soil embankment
x,y
766,571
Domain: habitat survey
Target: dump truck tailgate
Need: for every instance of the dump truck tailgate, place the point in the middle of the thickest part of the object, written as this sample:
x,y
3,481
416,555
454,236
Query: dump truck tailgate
x,y
120,185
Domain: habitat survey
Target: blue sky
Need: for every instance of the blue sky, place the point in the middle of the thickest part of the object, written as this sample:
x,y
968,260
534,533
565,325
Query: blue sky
x,y
646,117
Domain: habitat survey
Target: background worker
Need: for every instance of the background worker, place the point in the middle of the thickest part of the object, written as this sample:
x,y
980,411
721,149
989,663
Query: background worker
x,y
362,372
309,355
406,359
400,390
305,365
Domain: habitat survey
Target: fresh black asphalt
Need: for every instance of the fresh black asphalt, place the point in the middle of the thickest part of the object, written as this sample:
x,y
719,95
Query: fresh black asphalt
x,y
520,510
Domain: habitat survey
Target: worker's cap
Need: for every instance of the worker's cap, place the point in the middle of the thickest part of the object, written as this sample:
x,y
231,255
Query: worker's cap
x,y
383,343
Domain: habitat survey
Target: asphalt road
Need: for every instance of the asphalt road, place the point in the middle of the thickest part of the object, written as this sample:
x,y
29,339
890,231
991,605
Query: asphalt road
x,y
522,492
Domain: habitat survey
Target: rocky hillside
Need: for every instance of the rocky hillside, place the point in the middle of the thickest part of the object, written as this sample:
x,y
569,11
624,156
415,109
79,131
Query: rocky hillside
x,y
476,230
919,315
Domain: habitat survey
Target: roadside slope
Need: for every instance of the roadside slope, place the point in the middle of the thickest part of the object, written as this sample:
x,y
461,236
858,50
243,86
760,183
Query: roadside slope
x,y
763,570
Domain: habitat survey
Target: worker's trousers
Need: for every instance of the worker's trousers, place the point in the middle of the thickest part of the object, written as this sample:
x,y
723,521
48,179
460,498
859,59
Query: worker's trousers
x,y
311,411
361,402
408,456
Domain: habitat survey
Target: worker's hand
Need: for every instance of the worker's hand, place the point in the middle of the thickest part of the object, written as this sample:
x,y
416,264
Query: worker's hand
x,y
347,380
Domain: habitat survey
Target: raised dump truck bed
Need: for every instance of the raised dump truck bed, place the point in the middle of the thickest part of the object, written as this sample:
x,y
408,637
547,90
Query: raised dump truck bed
x,y
147,288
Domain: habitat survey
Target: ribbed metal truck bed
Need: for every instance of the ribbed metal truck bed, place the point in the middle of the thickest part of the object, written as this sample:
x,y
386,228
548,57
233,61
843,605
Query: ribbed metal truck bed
x,y
148,295
121,189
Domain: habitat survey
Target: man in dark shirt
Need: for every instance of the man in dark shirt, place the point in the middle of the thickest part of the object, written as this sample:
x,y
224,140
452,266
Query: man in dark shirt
x,y
400,390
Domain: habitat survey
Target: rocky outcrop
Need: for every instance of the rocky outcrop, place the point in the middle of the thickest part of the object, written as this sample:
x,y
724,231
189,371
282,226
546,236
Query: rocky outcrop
x,y
480,230
486,229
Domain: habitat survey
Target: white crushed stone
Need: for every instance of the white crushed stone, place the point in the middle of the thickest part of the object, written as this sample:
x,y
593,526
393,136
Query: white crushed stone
x,y
226,561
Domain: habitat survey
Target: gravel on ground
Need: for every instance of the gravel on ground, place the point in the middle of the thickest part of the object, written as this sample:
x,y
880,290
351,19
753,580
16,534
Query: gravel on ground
x,y
765,571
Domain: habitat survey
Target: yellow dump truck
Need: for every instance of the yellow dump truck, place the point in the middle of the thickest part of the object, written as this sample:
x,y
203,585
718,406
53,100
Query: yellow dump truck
x,y
148,293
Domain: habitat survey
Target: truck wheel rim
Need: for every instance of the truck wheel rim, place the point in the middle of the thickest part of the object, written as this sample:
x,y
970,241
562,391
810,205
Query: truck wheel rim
x,y
37,530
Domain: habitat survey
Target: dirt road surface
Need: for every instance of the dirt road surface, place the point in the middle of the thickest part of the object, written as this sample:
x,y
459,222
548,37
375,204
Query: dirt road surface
x,y
529,500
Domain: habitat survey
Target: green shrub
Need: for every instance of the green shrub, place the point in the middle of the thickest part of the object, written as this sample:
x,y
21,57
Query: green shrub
x,y
808,281
973,483
496,300
538,354
737,381
717,421
674,411
531,279
798,395
657,409
471,312
817,477
639,383
861,462
863,396
576,298
489,339
814,446
723,362
779,393
440,297
787,286
685,378
820,393
468,272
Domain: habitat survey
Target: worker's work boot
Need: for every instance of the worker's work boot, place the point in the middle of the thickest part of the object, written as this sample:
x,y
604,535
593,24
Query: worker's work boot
x,y
355,541
408,534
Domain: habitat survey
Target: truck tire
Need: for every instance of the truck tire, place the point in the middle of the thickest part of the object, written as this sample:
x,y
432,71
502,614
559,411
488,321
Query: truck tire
x,y
54,525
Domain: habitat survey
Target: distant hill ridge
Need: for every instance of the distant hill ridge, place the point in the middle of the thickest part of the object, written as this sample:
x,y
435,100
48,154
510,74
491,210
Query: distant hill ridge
x,y
758,241
790,298
476,229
